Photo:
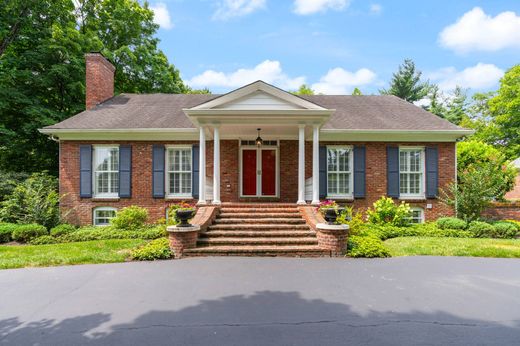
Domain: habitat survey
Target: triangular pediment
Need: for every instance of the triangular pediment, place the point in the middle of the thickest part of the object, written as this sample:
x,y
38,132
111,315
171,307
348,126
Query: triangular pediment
x,y
258,96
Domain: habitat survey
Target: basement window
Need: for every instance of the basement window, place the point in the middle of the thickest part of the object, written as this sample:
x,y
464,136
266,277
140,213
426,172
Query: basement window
x,y
103,215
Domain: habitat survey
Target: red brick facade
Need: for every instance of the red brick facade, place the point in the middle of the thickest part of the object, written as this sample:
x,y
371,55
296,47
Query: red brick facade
x,y
79,210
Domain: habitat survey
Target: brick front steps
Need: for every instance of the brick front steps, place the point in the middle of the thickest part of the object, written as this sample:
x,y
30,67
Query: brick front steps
x,y
256,229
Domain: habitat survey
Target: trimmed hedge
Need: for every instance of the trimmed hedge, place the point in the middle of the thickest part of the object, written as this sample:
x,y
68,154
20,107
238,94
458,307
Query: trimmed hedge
x,y
451,223
43,240
130,218
366,246
6,231
482,229
505,230
25,233
62,230
154,250
103,233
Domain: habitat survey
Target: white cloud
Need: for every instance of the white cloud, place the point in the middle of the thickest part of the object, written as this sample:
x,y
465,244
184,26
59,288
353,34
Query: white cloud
x,y
305,7
269,71
161,15
376,8
477,31
227,9
339,81
480,76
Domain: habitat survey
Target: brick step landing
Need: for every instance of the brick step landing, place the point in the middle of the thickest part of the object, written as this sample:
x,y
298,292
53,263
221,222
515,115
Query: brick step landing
x,y
264,234
246,221
258,215
259,250
259,210
232,241
271,226
259,205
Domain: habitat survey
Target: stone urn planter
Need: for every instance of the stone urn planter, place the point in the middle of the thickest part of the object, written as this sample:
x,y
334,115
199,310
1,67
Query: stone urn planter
x,y
331,215
184,235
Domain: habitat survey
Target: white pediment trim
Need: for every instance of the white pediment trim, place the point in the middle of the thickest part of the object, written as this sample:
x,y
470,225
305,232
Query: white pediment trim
x,y
235,99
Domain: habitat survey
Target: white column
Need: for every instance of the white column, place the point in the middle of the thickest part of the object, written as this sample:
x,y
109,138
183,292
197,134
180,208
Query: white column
x,y
202,166
301,165
316,165
216,165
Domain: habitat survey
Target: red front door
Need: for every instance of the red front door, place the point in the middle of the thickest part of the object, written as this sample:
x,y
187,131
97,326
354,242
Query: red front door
x,y
249,172
268,172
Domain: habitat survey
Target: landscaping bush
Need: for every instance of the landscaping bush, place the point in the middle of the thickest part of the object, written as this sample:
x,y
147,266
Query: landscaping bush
x,y
431,229
43,240
130,218
103,233
451,223
156,249
25,233
482,229
385,211
62,230
369,247
514,222
6,231
505,230
33,201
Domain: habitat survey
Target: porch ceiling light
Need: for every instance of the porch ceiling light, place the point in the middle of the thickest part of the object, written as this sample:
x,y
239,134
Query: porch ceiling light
x,y
259,139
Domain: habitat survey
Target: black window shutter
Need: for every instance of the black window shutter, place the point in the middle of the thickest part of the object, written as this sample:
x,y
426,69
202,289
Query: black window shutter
x,y
323,171
85,171
392,171
359,171
195,171
158,171
432,172
125,171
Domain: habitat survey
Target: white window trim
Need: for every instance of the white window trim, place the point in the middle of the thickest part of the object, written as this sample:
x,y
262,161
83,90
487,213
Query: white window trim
x,y
94,218
422,194
169,195
351,165
94,183
412,209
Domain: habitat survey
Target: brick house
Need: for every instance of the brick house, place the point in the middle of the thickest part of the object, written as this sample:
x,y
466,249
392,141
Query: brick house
x,y
256,144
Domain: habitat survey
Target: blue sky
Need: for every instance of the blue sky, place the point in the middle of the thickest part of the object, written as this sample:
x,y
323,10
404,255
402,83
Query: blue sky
x,y
336,45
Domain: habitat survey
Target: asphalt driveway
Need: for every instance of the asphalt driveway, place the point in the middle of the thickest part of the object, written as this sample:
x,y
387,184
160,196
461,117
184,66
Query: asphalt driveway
x,y
265,301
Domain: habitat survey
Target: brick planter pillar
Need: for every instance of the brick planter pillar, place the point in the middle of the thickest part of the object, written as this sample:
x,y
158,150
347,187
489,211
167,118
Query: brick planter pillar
x,y
182,238
332,238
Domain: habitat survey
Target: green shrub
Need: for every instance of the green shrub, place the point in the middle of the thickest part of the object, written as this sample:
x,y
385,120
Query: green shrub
x,y
130,218
369,247
431,229
156,249
103,233
25,233
43,240
451,223
514,222
385,211
33,201
62,230
505,230
482,229
6,231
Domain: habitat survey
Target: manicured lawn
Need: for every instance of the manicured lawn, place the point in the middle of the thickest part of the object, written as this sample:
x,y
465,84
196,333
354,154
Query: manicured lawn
x,y
412,246
97,251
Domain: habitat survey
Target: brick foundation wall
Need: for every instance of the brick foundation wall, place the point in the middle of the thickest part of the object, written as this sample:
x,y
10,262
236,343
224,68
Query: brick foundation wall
x,y
79,210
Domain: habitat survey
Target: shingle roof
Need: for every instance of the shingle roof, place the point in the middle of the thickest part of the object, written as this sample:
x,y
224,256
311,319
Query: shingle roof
x,y
374,112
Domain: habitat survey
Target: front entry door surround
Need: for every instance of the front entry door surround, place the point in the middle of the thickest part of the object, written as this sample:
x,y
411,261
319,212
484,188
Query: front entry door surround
x,y
259,171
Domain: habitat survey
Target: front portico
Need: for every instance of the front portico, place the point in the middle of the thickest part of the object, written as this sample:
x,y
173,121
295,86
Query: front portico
x,y
284,120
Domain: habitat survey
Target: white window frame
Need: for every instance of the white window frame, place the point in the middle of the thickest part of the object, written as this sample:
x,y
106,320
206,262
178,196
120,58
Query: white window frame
x,y
421,217
168,172
350,195
96,194
422,183
95,218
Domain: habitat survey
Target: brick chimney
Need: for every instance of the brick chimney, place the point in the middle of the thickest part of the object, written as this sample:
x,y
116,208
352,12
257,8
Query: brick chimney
x,y
99,79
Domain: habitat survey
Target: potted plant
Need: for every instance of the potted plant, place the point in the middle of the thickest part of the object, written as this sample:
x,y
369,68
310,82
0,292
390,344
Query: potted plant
x,y
330,211
182,213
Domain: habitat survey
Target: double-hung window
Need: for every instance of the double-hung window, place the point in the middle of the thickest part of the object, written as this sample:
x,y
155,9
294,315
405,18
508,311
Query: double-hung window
x,y
411,172
416,215
106,171
103,215
179,171
339,172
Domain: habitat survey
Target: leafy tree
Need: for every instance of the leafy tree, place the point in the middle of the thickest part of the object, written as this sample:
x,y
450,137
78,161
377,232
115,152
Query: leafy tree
x,y
505,110
198,91
357,92
304,90
406,83
456,107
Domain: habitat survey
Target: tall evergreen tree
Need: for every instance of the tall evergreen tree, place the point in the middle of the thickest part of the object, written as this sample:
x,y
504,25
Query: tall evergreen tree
x,y
406,83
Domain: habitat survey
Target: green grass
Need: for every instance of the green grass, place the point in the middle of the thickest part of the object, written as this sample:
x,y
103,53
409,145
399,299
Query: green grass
x,y
96,251
475,247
